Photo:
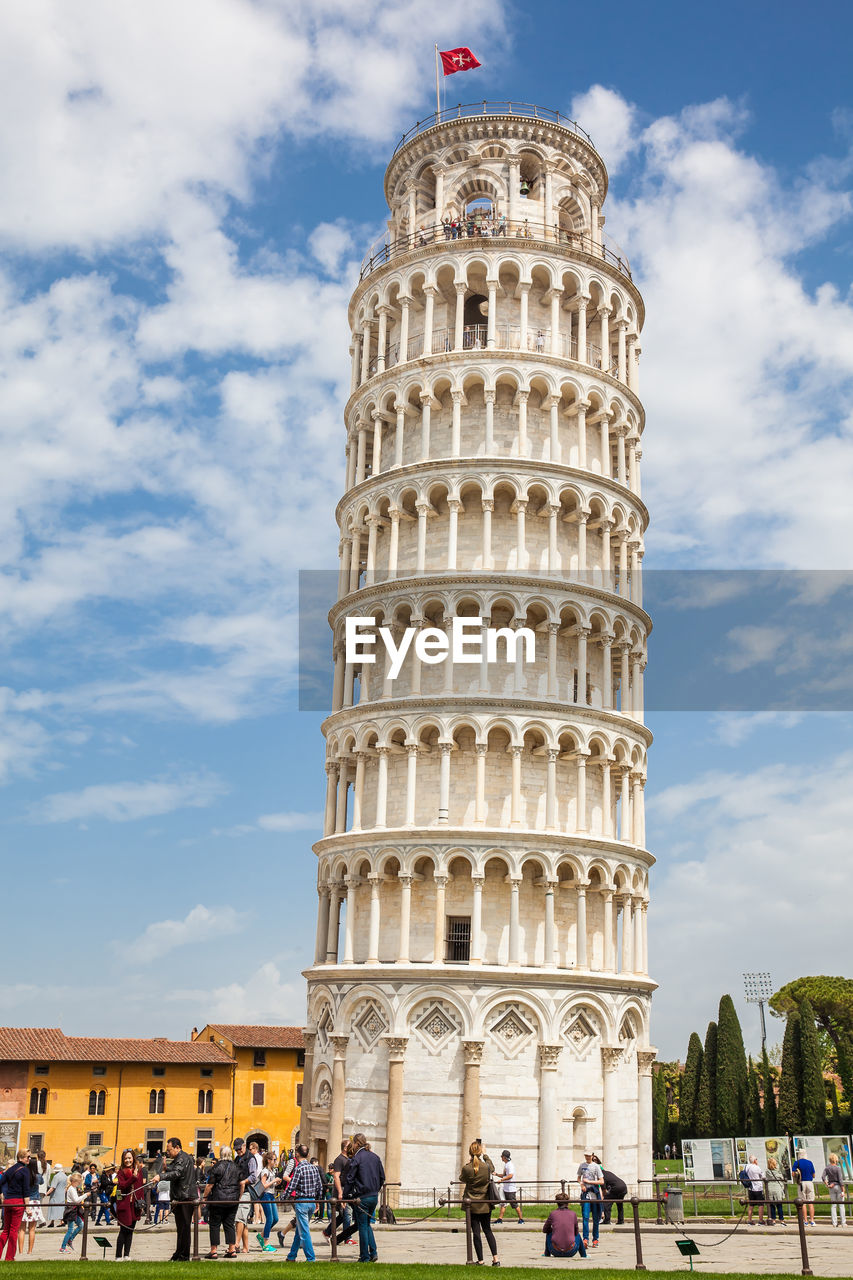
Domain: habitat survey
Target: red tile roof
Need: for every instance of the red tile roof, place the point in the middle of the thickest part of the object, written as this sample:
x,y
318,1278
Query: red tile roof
x,y
250,1037
50,1044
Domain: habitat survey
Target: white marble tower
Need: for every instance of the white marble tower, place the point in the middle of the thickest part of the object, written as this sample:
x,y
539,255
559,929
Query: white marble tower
x,y
481,963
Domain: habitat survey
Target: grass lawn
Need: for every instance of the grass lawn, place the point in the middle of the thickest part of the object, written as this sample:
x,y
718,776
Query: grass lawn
x,y
381,1271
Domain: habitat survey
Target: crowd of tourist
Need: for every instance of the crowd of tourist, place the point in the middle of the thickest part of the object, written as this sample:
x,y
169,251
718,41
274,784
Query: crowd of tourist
x,y
244,1191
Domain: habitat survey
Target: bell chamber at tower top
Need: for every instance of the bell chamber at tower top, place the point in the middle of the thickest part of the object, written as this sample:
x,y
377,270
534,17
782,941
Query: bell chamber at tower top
x,y
495,241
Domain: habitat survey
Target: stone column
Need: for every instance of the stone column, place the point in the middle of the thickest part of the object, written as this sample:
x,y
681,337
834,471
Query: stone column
x,y
445,749
331,790
583,405
489,397
555,296
551,887
611,1056
411,781
627,932
582,305
477,920
309,1037
606,799
338,1105
376,458
645,1167
514,922
554,452
622,329
396,1046
481,750
341,806
405,917
549,1061
636,927
365,351
375,882
607,672
492,325
582,956
553,552
334,924
320,945
582,634
580,804
553,632
551,790
515,799
380,345
429,305
471,1123
459,318
488,508
401,410
438,928
405,302
358,790
625,823
524,294
453,507
609,950
457,398
522,398
426,416
350,882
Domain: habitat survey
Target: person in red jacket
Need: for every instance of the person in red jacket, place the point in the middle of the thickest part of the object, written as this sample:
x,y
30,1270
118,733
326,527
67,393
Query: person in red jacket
x,y
15,1188
128,1186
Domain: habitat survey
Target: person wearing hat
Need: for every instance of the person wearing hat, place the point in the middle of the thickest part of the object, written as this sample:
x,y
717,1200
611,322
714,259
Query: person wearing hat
x,y
562,1238
509,1189
591,1179
56,1197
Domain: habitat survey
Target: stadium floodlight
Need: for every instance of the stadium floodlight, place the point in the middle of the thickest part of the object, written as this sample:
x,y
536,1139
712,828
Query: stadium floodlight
x,y
758,989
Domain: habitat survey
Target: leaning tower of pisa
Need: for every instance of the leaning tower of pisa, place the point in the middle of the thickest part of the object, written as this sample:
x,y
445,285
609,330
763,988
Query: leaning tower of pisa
x,y
481,959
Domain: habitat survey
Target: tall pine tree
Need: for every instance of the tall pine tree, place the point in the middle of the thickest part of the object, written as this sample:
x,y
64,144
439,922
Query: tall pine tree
x,y
789,1114
660,1111
754,1118
689,1087
813,1103
771,1124
705,1119
731,1077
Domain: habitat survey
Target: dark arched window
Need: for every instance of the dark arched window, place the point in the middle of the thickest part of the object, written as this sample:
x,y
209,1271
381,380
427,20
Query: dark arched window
x,y
38,1102
205,1102
97,1102
157,1102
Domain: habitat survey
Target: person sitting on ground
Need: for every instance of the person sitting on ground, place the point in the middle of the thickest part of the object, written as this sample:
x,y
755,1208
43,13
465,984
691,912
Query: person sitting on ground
x,y
562,1237
476,1178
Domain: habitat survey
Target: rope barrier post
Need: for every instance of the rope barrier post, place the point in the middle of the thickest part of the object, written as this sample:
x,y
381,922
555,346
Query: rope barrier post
x,y
659,1199
449,1193
638,1243
85,1241
196,1216
469,1242
333,1227
801,1223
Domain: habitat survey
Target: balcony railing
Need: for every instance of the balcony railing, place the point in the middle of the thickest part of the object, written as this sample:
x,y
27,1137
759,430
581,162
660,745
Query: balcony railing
x,y
473,109
508,337
498,231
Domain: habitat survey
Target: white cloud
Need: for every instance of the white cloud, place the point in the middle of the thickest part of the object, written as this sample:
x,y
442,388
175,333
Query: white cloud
x,y
751,645
263,998
733,728
201,924
129,801
764,874
610,121
290,821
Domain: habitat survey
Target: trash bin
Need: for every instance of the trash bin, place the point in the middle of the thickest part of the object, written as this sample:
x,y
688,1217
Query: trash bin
x,y
674,1197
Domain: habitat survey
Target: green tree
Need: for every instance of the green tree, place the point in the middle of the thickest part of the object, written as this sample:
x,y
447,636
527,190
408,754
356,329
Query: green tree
x,y
769,1091
689,1087
660,1110
789,1113
832,1002
813,1098
731,1076
754,1118
705,1118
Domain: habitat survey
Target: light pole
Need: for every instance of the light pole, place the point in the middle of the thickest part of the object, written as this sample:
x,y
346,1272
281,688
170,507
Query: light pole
x,y
758,989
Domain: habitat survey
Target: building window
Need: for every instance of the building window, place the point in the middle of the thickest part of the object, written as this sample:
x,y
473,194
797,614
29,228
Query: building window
x,y
207,1072
94,1140
99,1071
155,1140
300,1057
158,1071
42,1070
35,1142
38,1102
203,1141
458,940
260,1059
205,1102
157,1102
258,1093
97,1102
299,1095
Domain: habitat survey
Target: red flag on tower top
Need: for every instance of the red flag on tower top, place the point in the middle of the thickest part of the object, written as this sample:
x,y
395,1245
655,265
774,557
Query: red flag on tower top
x,y
453,60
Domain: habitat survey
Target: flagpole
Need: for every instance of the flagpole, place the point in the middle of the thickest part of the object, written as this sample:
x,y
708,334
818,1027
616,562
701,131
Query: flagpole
x,y
437,98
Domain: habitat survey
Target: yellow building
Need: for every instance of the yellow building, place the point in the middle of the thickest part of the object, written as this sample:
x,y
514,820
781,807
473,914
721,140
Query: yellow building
x,y
267,1080
66,1092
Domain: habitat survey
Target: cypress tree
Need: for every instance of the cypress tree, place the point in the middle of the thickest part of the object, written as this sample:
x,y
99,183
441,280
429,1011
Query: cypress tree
x,y
689,1087
660,1111
705,1119
731,1072
755,1120
813,1108
789,1115
770,1122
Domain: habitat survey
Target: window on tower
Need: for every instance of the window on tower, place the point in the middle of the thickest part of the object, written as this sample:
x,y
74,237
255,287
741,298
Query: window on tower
x,y
458,940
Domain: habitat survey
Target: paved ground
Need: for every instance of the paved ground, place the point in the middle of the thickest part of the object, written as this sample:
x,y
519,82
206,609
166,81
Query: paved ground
x,y
750,1249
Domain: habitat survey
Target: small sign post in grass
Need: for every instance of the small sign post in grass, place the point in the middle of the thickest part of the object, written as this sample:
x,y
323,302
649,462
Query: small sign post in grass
x,y
103,1242
688,1249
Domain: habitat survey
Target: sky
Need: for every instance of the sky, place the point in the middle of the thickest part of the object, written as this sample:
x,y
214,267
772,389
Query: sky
x,y
188,190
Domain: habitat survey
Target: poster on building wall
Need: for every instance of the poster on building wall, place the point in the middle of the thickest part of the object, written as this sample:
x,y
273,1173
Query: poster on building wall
x,y
9,1131
765,1150
819,1148
708,1159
